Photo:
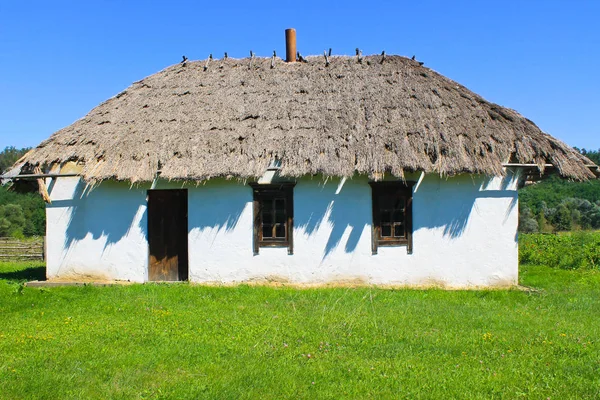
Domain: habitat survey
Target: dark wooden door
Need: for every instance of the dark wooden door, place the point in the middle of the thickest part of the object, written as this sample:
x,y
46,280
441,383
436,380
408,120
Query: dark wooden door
x,y
167,235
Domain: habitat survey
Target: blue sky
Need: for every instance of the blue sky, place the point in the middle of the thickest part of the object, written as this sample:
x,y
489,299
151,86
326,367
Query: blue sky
x,y
59,59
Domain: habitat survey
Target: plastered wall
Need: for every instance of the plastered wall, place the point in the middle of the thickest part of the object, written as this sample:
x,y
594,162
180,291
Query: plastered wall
x,y
464,233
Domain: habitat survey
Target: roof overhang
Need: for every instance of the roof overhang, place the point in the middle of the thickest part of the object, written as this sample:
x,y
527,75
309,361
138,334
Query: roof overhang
x,y
532,172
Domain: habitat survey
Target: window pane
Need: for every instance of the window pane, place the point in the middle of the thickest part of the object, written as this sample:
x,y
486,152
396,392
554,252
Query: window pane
x,y
280,216
399,202
385,216
399,230
267,205
386,231
279,204
386,202
267,231
267,217
280,231
399,216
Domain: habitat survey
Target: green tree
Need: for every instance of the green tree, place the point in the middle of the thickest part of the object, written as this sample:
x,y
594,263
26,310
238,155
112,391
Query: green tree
x,y
33,209
9,156
555,190
562,219
12,220
541,220
527,221
593,155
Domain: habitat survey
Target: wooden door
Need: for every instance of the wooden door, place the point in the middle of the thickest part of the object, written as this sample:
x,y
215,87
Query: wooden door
x,y
167,235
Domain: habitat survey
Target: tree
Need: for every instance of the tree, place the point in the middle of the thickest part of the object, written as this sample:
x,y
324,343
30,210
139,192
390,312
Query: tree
x,y
32,208
595,217
593,155
12,220
554,190
10,155
527,221
562,218
541,220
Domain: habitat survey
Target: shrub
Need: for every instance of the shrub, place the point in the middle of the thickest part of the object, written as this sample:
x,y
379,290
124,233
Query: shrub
x,y
567,250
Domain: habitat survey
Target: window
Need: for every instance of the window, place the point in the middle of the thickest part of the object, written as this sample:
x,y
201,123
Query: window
x,y
273,215
392,214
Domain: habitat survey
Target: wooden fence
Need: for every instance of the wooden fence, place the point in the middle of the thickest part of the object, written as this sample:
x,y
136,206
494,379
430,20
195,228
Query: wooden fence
x,y
16,249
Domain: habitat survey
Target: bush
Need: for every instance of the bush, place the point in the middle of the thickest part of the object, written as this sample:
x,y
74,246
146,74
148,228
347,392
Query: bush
x,y
567,251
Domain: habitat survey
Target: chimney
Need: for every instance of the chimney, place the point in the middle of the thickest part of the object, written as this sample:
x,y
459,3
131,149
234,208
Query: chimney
x,y
290,45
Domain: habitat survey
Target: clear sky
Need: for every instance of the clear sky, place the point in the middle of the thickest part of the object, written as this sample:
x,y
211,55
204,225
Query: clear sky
x,y
59,59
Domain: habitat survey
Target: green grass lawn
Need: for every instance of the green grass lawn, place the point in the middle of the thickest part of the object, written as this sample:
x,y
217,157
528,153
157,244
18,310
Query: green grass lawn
x,y
186,341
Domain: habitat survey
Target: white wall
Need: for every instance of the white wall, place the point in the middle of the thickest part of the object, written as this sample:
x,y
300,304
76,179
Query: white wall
x,y
98,234
464,234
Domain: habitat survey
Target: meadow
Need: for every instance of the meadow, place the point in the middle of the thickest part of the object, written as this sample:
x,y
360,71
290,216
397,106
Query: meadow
x,y
162,341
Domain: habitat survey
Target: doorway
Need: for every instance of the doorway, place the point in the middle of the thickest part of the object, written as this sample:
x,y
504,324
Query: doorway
x,y
167,235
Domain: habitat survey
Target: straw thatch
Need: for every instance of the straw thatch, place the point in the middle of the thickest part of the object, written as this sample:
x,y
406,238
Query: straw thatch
x,y
233,117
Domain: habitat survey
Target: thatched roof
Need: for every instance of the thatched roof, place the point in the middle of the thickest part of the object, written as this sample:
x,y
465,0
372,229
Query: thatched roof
x,y
233,117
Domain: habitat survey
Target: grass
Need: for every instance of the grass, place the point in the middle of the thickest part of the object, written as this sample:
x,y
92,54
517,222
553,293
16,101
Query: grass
x,y
186,341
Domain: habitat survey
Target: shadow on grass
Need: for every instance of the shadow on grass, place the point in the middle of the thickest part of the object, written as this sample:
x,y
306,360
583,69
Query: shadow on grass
x,y
27,274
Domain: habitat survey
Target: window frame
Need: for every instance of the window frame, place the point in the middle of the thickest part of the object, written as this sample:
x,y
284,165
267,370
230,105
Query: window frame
x,y
379,189
263,192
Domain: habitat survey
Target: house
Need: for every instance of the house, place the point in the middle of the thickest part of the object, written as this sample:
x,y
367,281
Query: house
x,y
372,170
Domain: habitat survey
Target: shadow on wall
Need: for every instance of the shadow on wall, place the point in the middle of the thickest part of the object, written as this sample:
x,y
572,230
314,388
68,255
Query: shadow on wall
x,y
341,204
109,211
217,205
448,203
114,209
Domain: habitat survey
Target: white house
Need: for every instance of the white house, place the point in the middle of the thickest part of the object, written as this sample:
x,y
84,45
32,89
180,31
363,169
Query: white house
x,y
370,170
